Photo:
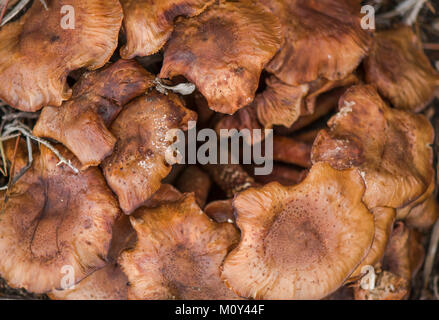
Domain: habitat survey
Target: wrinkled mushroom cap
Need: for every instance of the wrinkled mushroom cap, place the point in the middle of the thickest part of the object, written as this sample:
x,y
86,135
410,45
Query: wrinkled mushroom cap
x,y
223,52
390,148
178,253
322,38
81,123
37,52
135,169
300,242
399,68
55,218
148,24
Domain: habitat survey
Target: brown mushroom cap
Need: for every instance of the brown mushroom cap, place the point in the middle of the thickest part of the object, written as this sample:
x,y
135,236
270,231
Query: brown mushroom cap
x,y
390,148
399,68
384,219
321,39
404,253
55,218
108,283
178,253
37,53
137,166
424,215
300,242
81,123
148,24
223,51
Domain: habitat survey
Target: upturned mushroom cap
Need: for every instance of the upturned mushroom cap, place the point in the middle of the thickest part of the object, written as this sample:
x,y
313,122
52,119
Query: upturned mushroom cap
x,y
148,24
384,219
223,51
135,169
321,39
389,147
37,52
300,242
55,218
81,122
178,253
399,68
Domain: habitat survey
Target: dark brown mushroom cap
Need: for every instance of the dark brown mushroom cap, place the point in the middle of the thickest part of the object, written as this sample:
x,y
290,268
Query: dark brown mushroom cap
x,y
300,242
81,122
137,166
390,148
178,253
384,219
322,39
223,51
399,68
37,53
148,24
55,218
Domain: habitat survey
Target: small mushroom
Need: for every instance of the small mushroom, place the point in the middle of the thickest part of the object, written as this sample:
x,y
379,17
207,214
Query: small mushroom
x,y
40,49
148,24
98,97
223,51
389,147
322,39
178,253
300,242
135,169
53,221
401,71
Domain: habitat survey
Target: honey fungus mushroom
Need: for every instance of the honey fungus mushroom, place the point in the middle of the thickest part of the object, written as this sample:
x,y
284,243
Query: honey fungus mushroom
x,y
322,39
399,68
300,242
178,253
223,51
148,24
53,218
135,169
98,97
38,51
390,148
110,283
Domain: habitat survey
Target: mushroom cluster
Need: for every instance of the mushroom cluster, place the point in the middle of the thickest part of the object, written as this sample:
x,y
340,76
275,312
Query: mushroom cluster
x,y
92,208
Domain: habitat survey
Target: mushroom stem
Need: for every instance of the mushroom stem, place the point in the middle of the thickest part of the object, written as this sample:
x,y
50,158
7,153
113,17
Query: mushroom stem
x,y
231,178
197,181
290,151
